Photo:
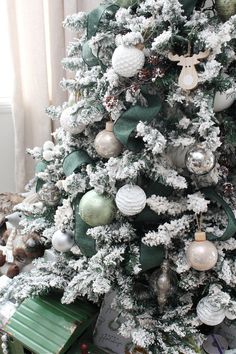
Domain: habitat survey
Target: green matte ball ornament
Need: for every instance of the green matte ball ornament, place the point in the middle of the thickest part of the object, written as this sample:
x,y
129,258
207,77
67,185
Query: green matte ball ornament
x,y
225,8
96,209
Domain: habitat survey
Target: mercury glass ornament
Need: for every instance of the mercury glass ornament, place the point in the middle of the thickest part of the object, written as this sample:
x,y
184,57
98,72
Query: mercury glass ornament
x,y
224,100
63,241
209,314
96,209
70,121
131,199
201,254
225,8
106,143
127,61
199,160
49,194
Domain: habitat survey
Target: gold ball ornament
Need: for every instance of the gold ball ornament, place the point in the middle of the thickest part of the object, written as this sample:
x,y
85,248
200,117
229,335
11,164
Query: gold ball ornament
x,y
106,144
225,8
202,254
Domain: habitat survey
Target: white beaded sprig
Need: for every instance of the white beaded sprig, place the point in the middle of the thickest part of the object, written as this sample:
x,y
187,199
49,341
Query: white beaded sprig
x,y
4,345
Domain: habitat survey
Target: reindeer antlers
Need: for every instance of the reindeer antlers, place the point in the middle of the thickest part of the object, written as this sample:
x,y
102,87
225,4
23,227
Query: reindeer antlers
x,y
200,55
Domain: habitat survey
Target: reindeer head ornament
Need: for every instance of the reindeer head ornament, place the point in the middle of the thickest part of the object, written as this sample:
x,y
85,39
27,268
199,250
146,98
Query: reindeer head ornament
x,y
188,78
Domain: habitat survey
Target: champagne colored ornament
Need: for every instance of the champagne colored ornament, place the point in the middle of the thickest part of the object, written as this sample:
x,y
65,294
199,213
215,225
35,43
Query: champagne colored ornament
x,y
96,209
106,143
225,8
162,282
49,194
63,241
224,100
209,314
70,121
201,254
199,160
188,79
130,200
127,61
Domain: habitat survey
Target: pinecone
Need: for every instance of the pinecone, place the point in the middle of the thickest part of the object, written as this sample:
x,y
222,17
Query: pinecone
x,y
144,74
228,189
153,59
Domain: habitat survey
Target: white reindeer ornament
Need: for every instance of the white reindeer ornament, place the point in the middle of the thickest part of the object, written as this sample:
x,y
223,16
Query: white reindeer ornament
x,y
188,78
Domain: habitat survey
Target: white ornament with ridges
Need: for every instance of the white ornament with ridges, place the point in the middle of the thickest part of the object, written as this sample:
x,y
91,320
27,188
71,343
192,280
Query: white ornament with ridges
x,y
209,314
127,61
70,121
62,241
131,200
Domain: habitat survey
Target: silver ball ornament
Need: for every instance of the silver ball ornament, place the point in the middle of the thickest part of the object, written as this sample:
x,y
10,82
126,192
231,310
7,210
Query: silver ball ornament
x,y
199,160
223,100
209,314
131,199
201,254
106,144
63,241
127,61
96,209
49,194
69,121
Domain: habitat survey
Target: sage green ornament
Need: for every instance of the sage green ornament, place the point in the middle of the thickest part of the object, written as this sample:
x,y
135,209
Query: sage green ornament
x,y
225,8
126,3
96,209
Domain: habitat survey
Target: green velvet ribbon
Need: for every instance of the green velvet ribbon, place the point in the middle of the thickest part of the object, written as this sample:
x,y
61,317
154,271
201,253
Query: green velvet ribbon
x,y
188,6
73,162
93,22
129,120
40,167
230,230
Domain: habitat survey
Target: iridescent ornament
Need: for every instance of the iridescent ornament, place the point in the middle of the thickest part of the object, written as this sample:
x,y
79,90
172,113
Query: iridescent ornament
x,y
127,61
208,313
106,143
96,209
63,241
49,194
224,100
201,254
70,121
199,160
225,8
131,199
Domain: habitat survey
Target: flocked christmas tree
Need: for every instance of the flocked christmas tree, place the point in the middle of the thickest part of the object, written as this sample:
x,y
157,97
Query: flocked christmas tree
x,y
136,194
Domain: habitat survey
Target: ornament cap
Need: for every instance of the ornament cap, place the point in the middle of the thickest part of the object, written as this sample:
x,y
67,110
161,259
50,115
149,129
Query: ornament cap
x,y
109,126
200,236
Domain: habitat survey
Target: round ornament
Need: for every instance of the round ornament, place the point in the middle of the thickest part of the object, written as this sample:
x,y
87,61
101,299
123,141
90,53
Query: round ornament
x,y
199,160
225,8
70,122
230,315
96,209
48,155
63,241
127,61
215,342
49,194
209,314
201,254
130,200
106,143
48,145
223,100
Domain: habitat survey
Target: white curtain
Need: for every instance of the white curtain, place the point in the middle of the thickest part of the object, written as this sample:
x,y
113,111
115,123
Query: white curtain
x,y
38,43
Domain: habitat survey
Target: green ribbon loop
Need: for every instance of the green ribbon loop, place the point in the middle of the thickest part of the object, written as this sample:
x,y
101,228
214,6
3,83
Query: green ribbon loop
x,y
188,6
73,162
128,121
151,257
40,167
231,227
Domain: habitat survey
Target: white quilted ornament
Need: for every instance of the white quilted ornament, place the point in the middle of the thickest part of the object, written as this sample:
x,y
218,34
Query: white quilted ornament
x,y
69,121
209,314
130,200
127,61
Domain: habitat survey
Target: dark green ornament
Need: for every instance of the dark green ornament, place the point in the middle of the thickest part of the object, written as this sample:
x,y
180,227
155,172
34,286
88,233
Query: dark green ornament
x,y
225,8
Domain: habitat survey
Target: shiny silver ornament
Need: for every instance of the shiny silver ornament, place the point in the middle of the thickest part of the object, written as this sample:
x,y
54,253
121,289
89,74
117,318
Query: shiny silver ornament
x,y
199,160
209,314
225,8
106,144
163,282
63,241
49,194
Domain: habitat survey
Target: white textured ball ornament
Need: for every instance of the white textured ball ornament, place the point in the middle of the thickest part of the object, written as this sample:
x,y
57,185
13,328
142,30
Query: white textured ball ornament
x,y
63,241
48,145
127,61
48,155
131,200
209,314
201,254
224,100
70,122
106,144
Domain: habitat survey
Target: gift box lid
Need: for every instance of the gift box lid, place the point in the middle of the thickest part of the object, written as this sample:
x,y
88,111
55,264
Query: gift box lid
x,y
45,325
